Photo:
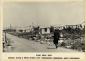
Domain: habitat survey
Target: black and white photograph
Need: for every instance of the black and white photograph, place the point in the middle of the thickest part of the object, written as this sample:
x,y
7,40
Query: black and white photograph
x,y
43,27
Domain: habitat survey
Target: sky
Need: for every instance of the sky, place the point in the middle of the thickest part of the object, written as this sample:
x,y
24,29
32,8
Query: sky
x,y
44,14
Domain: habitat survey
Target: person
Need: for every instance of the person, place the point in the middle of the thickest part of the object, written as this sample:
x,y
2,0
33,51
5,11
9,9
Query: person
x,y
56,37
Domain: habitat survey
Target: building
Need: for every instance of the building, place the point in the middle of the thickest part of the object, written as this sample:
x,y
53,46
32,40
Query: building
x,y
19,30
45,30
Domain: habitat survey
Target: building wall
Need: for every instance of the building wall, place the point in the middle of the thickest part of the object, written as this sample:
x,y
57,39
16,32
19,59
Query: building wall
x,y
47,31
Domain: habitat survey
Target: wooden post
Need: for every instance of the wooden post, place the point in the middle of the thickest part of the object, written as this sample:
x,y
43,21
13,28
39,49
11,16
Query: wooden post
x,y
5,38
